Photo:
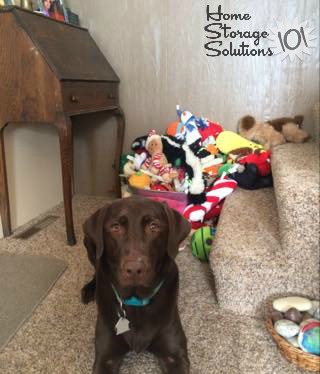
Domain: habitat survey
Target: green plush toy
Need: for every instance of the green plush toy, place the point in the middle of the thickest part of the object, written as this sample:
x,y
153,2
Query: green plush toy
x,y
201,242
123,161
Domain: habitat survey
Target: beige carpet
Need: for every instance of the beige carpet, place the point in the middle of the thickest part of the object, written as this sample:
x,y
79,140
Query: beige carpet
x,y
24,282
59,337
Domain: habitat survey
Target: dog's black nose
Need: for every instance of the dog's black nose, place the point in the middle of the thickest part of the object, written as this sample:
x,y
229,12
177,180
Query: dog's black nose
x,y
134,269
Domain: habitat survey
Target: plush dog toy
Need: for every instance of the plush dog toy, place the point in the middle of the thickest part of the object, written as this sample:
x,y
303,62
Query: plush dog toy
x,y
275,132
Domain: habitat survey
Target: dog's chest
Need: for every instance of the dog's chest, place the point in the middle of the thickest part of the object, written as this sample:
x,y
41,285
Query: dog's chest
x,y
141,332
137,340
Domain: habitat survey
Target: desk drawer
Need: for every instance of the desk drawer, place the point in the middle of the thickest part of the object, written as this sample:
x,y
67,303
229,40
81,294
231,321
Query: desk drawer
x,y
80,97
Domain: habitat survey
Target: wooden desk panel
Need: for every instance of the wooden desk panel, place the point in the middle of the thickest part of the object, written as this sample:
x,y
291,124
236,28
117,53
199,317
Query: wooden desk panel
x,y
82,97
49,72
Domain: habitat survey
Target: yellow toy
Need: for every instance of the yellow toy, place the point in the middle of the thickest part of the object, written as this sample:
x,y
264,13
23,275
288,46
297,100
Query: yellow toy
x,y
228,141
140,180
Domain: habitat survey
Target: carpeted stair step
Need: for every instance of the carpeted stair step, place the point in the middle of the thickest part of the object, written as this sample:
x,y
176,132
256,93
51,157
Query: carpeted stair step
x,y
247,260
295,169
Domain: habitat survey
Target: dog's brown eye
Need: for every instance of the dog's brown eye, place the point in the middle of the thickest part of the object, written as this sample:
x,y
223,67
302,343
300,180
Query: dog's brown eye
x,y
115,227
154,226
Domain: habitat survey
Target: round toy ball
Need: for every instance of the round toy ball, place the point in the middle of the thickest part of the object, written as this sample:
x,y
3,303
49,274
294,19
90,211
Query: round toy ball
x,y
201,242
309,338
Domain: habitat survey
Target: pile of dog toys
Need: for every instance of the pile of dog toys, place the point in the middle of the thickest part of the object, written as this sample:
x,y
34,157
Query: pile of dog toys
x,y
197,157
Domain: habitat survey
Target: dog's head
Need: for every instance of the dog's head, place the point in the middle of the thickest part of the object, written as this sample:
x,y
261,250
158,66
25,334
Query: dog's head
x,y
135,240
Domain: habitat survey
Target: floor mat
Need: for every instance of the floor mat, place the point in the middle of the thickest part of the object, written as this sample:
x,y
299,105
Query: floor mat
x,y
24,282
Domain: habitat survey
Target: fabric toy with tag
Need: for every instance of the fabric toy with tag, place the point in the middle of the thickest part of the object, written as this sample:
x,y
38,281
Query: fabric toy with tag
x,y
196,213
157,162
229,141
209,135
274,132
190,132
255,172
261,160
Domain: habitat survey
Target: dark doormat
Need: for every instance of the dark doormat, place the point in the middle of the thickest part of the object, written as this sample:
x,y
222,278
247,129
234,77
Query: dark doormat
x,y
25,280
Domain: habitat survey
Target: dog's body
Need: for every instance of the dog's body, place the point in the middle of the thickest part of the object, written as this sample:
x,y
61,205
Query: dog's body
x,y
274,132
132,244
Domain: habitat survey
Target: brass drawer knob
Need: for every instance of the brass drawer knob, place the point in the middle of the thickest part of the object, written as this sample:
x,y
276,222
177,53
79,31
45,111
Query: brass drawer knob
x,y
74,99
111,96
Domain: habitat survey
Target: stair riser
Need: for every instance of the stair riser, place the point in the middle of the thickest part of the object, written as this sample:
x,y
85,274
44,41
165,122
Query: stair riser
x,y
249,290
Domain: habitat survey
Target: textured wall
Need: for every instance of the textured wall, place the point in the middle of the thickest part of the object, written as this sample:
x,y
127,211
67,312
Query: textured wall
x,y
33,169
156,47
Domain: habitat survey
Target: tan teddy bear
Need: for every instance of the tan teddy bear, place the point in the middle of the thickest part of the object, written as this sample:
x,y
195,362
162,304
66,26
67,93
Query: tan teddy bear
x,y
275,132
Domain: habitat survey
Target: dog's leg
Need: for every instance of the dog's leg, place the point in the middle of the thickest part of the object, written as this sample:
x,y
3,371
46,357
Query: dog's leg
x,y
108,367
91,250
110,350
88,291
170,346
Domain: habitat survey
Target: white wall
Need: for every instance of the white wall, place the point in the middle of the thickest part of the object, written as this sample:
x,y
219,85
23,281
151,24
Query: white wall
x,y
33,169
156,47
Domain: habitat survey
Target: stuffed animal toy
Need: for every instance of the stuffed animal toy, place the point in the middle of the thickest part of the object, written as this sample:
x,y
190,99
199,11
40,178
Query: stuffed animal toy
x,y
248,177
261,160
198,213
157,162
134,163
174,149
140,180
274,132
231,142
139,144
212,130
190,132
175,128
209,135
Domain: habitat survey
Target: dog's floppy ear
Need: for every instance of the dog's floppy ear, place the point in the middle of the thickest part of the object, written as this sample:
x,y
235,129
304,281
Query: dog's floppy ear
x,y
93,233
178,230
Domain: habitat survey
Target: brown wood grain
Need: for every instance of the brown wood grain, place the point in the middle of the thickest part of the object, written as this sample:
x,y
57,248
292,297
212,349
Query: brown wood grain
x,y
48,71
84,97
70,52
4,196
27,84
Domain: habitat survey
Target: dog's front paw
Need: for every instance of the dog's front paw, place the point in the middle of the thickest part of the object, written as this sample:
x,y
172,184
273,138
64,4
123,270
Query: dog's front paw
x,y
88,292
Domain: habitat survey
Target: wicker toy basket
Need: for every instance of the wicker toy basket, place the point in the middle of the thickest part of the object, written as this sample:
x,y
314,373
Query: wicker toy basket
x,y
302,359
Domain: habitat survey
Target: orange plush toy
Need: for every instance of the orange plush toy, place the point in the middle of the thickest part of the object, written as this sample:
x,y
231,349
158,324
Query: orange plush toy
x,y
157,163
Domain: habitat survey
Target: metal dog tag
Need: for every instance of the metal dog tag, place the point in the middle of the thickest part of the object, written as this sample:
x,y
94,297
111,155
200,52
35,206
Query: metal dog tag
x,y
122,326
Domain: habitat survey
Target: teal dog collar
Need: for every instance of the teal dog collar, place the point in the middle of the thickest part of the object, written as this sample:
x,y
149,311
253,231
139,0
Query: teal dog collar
x,y
135,301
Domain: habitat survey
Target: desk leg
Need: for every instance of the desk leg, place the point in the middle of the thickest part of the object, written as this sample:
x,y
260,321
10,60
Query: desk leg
x,y
4,195
64,126
121,121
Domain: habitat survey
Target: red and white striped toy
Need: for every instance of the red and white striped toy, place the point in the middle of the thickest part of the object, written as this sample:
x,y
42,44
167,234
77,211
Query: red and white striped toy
x,y
198,213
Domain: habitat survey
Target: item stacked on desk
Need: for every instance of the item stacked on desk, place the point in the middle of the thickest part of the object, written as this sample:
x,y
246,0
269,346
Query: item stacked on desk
x,y
55,9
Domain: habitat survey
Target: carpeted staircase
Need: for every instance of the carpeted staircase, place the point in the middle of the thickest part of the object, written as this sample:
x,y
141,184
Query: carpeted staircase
x,y
267,241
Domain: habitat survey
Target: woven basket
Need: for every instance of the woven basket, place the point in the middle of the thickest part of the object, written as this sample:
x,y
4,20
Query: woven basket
x,y
302,359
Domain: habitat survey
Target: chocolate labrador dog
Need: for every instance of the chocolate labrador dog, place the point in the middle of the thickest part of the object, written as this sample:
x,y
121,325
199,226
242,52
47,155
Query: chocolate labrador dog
x,y
132,244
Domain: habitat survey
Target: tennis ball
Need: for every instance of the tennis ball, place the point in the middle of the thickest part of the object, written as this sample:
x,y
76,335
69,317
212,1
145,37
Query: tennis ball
x,y
201,242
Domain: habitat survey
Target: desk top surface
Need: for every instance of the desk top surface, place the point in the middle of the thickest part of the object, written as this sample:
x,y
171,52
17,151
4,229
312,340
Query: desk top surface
x,y
69,51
